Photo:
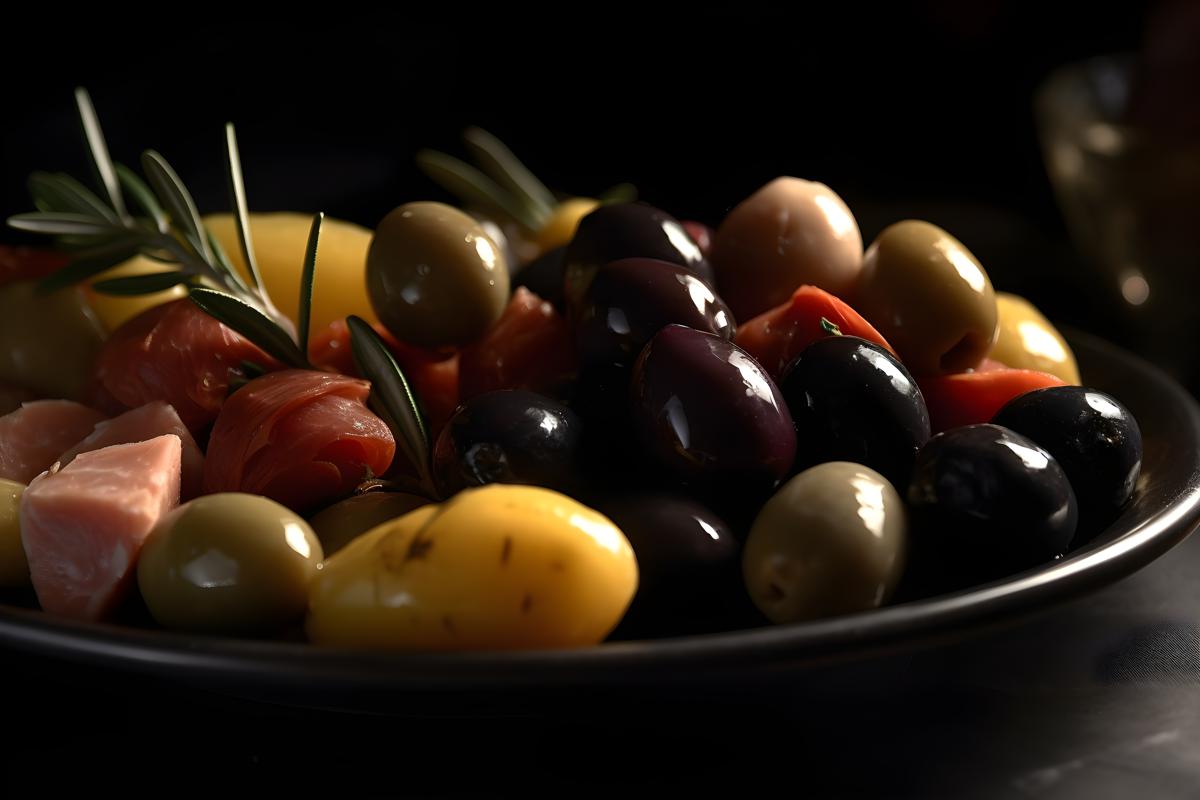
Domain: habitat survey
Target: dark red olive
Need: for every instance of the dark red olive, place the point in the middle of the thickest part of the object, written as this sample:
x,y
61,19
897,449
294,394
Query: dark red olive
x,y
701,234
853,401
544,277
1092,436
632,299
689,576
509,437
627,230
710,414
987,502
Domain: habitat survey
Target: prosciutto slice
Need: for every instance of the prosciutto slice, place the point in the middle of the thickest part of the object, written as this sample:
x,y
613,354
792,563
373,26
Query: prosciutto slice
x,y
300,437
83,526
178,354
147,422
36,434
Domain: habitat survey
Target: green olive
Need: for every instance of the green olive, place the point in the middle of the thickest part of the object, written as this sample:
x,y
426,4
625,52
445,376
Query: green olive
x,y
1028,340
345,521
929,297
229,563
50,340
831,541
14,568
434,277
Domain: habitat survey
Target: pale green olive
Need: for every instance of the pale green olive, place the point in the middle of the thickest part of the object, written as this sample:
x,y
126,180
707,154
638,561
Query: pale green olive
x,y
494,567
348,519
14,568
831,541
434,277
50,340
229,563
929,297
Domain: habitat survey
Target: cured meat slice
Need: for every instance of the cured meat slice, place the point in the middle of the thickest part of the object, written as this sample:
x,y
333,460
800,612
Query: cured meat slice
x,y
147,422
300,437
83,526
36,434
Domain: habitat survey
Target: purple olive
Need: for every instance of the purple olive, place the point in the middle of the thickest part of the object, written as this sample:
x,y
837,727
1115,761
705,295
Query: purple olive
x,y
710,414
632,299
628,230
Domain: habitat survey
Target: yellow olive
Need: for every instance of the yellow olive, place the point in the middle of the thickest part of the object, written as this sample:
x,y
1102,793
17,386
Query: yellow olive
x,y
348,519
496,567
340,286
929,297
1027,340
229,563
831,541
50,340
435,277
14,568
115,311
560,227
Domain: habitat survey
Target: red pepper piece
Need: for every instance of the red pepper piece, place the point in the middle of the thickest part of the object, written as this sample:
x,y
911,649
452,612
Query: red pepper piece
x,y
969,398
777,336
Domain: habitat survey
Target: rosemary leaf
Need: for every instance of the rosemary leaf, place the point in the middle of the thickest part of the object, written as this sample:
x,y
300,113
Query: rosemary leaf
x,y
135,285
174,195
65,194
494,157
241,210
141,194
472,187
99,151
306,280
249,322
621,193
391,396
60,223
229,273
89,263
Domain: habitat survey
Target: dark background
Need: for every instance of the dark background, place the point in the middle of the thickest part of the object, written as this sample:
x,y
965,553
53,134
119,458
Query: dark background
x,y
916,109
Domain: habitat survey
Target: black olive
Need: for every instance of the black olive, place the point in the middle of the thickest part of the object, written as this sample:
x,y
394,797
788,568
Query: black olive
x,y
628,230
632,299
1092,436
987,502
544,277
709,413
689,577
851,400
509,436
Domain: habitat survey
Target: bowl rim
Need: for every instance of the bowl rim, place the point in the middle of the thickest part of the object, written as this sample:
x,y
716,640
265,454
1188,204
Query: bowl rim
x,y
295,664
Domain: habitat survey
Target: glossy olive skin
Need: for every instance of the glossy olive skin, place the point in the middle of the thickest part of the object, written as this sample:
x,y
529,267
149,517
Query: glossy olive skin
x,y
50,340
544,277
851,400
831,541
710,414
434,277
627,230
1027,340
632,299
510,436
688,563
346,520
14,567
929,297
1093,437
229,563
987,502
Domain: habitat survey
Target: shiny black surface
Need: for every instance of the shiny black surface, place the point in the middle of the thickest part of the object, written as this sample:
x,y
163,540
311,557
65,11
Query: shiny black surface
x,y
708,413
632,299
1092,436
628,230
985,502
510,436
851,400
689,566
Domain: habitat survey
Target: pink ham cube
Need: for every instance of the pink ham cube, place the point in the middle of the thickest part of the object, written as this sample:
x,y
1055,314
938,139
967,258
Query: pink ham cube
x,y
36,434
83,526
138,425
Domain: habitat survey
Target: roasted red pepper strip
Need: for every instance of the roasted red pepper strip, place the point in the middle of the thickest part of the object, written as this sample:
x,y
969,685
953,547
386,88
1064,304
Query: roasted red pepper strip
x,y
777,336
970,398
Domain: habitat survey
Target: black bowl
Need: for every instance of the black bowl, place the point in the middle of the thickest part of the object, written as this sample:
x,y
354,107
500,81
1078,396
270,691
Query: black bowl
x,y
1164,511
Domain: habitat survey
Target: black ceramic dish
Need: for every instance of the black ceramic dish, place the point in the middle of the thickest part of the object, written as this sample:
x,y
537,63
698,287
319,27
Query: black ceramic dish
x,y
1164,511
